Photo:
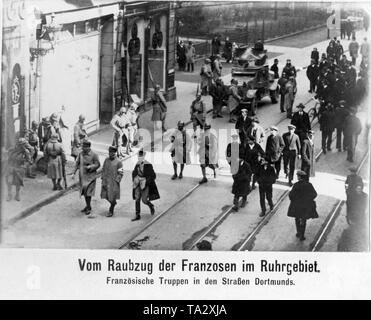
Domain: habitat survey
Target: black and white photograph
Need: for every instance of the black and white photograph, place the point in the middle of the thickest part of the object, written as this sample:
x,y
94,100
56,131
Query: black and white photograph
x,y
228,126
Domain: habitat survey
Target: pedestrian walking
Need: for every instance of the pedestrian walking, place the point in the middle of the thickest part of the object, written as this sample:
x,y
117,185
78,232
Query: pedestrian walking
x,y
341,113
274,148
208,152
256,131
144,185
219,94
289,97
365,49
275,69
190,56
314,55
112,173
327,127
302,204
330,50
282,84
242,124
87,164
18,156
266,178
241,184
312,74
342,29
180,150
301,121
120,124
353,50
348,28
79,134
198,114
307,155
339,51
291,150
253,154
352,129
56,158
206,77
228,48
366,21
234,151
217,70
233,99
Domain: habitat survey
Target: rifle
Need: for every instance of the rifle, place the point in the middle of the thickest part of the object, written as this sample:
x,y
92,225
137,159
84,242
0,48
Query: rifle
x,y
64,174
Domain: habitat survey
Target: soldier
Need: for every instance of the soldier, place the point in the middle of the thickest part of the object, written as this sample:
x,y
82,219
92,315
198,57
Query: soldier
x,y
253,154
56,158
144,185
207,152
17,159
217,71
198,114
274,149
241,183
54,128
312,74
242,124
266,178
234,150
290,152
341,114
120,123
301,121
87,164
112,173
302,206
256,131
33,140
289,96
42,132
307,155
206,77
274,68
228,50
159,108
190,56
352,129
180,150
282,83
218,93
289,69
79,134
132,116
233,99
327,127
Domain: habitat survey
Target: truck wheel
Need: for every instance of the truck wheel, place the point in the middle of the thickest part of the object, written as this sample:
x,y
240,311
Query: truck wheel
x,y
274,96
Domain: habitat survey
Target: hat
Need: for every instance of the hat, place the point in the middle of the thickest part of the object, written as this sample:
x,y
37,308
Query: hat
x,y
234,135
244,110
301,173
22,141
54,136
34,124
301,106
54,117
353,169
207,126
207,60
273,128
86,143
180,124
291,126
112,149
204,245
255,119
141,153
310,132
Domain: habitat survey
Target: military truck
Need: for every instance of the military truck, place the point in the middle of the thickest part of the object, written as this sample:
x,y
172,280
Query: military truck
x,y
255,80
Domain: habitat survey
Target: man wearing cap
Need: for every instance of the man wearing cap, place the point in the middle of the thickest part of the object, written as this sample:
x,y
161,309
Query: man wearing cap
x,y
266,178
54,128
235,151
301,121
290,152
87,164
144,185
206,77
79,134
198,113
282,83
253,154
341,113
208,152
256,131
180,150
242,124
233,99
241,183
274,149
302,206
112,173
120,123
18,157
307,155
352,129
218,93
56,158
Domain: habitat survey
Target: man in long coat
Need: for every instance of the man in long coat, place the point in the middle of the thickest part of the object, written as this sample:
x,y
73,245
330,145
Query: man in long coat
x,y
208,152
289,97
233,99
352,129
290,152
256,131
312,74
206,77
266,178
219,94
341,113
253,154
353,50
234,151
274,149
190,55
227,51
301,121
144,185
112,174
198,113
56,158
180,150
217,70
357,205
302,206
307,155
241,184
79,134
282,83
120,124
327,127
87,164
242,124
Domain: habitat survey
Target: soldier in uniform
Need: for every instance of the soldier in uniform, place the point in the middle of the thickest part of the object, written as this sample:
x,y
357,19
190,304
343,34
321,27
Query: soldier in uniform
x,y
198,113
207,151
218,93
17,159
112,173
307,155
144,185
79,134
159,108
282,83
302,206
180,150
33,139
42,132
87,164
274,148
206,77
289,69
242,124
54,128
290,152
120,123
56,158
352,129
266,178
301,121
217,71
233,99
241,183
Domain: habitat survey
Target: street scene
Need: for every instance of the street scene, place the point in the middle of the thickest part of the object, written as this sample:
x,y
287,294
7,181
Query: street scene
x,y
175,125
